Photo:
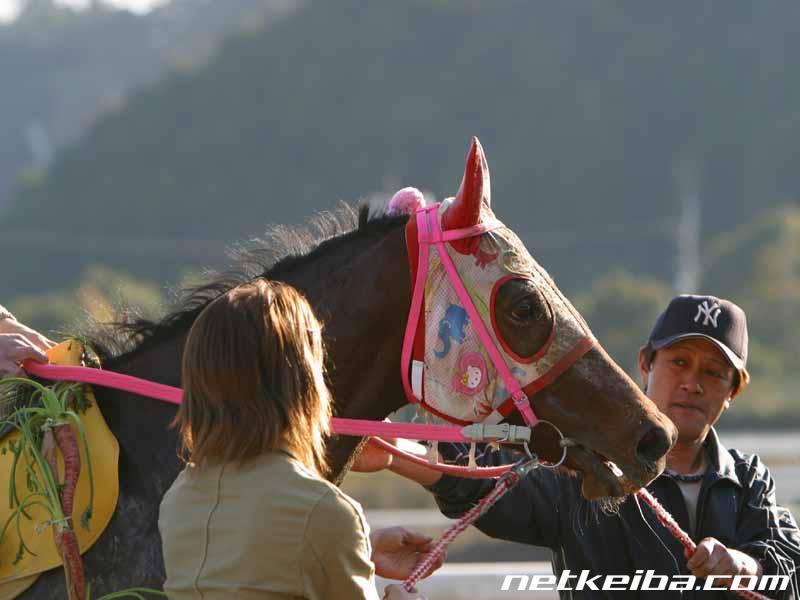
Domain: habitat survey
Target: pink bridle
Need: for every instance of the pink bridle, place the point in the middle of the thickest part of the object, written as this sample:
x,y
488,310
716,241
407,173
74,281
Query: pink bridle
x,y
429,233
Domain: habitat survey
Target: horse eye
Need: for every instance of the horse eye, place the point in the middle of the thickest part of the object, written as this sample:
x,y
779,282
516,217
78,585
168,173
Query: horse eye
x,y
523,311
525,318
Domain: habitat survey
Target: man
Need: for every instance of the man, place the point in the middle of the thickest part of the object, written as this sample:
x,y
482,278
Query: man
x,y
692,367
18,342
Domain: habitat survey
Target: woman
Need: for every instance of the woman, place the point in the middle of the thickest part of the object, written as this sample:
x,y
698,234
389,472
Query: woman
x,y
251,515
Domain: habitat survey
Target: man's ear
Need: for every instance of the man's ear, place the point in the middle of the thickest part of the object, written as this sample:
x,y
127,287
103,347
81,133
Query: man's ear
x,y
644,365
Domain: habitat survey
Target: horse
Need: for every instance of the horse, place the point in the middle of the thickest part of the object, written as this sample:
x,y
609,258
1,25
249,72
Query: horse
x,y
355,272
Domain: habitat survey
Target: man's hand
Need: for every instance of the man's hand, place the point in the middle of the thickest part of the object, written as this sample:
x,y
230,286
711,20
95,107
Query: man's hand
x,y
372,458
712,557
397,551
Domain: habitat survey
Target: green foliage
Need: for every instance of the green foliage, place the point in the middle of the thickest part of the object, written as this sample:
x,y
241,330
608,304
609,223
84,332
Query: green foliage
x,y
621,309
63,68
584,109
758,266
50,407
101,293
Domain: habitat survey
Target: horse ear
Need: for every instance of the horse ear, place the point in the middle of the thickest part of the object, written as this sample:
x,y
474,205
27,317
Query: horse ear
x,y
475,190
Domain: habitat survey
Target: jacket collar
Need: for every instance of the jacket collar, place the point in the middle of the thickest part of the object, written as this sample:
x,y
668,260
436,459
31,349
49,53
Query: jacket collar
x,y
724,465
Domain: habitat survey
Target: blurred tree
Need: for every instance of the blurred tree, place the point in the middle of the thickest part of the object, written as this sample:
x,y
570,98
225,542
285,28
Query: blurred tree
x,y
758,266
61,68
621,309
102,294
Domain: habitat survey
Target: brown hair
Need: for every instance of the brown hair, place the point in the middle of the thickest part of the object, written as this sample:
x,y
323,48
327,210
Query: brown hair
x,y
253,378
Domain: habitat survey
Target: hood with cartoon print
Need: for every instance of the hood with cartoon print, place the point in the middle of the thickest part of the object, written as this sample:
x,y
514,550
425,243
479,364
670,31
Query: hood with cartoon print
x,y
452,373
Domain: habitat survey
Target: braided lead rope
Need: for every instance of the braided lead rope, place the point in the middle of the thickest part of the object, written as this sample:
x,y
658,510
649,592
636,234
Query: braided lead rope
x,y
505,483
508,481
672,526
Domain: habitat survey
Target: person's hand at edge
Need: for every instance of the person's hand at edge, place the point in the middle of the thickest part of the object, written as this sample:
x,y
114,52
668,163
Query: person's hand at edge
x,y
712,557
19,342
396,552
397,592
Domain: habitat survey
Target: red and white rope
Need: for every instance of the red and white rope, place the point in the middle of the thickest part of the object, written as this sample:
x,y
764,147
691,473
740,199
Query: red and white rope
x,y
672,526
509,480
505,483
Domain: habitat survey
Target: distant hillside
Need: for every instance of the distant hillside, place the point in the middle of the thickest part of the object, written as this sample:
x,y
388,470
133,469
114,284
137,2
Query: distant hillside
x,y
591,115
61,68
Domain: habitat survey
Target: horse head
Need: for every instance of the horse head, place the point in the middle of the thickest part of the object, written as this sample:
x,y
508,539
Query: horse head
x,y
547,349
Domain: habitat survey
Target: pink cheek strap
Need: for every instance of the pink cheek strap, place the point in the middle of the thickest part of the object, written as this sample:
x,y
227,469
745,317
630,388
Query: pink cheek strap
x,y
430,233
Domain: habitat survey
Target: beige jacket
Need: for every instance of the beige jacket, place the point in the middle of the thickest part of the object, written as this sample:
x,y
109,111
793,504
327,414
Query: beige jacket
x,y
268,530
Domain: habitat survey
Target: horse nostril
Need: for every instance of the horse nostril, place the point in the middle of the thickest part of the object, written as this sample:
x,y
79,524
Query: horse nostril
x,y
653,445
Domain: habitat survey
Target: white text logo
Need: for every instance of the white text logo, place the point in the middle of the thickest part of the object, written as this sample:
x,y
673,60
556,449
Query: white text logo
x,y
709,313
642,580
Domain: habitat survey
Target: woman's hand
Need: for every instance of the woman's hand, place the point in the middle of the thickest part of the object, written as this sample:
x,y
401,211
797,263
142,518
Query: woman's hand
x,y
396,552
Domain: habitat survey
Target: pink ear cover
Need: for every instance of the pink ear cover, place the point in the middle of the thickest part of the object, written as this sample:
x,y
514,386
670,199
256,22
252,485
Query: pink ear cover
x,y
406,201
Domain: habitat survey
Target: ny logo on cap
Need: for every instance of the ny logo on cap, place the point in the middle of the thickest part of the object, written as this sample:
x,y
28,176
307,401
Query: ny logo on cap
x,y
709,313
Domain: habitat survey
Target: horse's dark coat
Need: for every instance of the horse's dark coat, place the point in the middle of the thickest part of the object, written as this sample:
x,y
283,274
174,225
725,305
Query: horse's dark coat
x,y
356,276
358,283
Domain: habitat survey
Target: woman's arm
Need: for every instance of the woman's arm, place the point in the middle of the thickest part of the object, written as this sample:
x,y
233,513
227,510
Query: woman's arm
x,y
336,552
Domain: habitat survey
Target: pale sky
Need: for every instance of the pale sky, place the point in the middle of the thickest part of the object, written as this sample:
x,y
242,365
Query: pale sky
x,y
9,8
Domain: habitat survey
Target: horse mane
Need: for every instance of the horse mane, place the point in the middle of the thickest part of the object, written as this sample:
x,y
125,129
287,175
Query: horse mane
x,y
281,250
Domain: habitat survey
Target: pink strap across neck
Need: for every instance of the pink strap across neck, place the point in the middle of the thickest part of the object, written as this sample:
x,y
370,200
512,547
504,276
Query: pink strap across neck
x,y
174,395
159,391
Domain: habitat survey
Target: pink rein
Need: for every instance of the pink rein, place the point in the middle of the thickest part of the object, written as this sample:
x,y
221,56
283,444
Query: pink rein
x,y
340,426
174,395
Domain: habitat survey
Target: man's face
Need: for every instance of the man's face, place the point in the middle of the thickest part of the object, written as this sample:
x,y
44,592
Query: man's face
x,y
691,382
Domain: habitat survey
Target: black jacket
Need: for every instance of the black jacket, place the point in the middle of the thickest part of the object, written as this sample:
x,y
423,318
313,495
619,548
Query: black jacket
x,y
736,505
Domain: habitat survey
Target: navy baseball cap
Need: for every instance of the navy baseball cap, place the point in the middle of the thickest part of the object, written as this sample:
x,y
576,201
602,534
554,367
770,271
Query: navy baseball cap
x,y
715,319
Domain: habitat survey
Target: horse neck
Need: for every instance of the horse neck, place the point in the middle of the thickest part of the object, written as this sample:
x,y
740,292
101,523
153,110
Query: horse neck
x,y
363,303
361,293
148,458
